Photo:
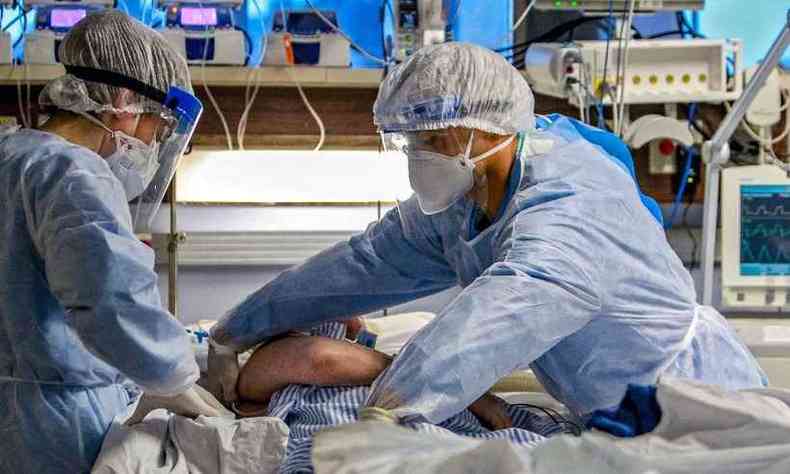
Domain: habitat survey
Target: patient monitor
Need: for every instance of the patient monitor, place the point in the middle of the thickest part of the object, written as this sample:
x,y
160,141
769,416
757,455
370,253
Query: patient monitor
x,y
755,227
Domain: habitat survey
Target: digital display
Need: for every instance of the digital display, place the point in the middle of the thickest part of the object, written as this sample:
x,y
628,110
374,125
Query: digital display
x,y
309,23
765,230
66,17
191,16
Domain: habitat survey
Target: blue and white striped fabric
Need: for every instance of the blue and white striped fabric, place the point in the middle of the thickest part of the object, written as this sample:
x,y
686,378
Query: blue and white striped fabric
x,y
308,409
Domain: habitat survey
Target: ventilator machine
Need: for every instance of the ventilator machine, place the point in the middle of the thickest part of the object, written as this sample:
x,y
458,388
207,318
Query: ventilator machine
x,y
53,20
206,32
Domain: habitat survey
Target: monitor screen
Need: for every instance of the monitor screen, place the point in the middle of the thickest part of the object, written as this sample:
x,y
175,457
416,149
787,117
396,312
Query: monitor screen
x,y
66,17
191,16
309,23
765,230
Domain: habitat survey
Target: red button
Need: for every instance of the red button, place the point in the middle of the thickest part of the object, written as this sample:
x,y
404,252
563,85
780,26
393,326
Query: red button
x,y
666,147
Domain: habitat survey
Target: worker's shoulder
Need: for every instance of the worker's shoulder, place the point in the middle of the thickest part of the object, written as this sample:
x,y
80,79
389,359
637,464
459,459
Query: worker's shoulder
x,y
40,151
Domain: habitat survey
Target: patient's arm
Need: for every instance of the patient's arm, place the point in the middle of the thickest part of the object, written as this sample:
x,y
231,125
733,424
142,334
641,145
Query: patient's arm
x,y
315,360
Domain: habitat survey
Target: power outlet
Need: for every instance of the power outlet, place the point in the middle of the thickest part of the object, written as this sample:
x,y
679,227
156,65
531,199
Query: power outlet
x,y
662,157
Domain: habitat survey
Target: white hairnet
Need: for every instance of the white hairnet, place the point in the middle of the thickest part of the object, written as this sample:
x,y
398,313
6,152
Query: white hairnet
x,y
455,85
112,41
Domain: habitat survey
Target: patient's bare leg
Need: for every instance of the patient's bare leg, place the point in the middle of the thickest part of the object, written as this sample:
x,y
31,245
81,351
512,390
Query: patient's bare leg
x,y
307,360
315,360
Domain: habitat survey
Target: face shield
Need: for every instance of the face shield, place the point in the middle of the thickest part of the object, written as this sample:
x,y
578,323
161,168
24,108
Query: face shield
x,y
183,110
448,142
179,115
441,165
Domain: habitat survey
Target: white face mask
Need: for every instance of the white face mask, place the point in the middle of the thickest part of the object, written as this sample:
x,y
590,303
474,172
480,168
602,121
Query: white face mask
x,y
133,162
440,180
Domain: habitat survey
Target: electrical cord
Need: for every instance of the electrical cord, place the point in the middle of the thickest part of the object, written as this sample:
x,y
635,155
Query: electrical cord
x,y
694,242
24,30
685,27
520,49
20,103
763,140
665,34
560,30
386,6
211,98
627,27
684,178
609,28
344,35
523,15
241,129
570,427
17,19
28,88
316,117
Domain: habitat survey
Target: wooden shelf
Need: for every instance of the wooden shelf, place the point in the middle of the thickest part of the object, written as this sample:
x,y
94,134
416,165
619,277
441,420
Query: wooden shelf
x,y
229,76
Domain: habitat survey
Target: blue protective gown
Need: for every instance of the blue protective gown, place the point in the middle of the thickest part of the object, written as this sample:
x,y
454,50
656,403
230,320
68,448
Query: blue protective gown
x,y
575,279
82,329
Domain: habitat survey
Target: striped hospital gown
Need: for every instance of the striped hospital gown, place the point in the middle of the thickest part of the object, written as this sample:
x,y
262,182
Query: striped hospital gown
x,y
308,409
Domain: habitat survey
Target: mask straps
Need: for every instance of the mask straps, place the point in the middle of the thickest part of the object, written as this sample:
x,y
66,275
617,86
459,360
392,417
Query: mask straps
x,y
490,152
96,121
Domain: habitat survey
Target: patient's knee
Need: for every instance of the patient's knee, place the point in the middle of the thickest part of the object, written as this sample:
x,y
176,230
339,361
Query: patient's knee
x,y
292,360
323,360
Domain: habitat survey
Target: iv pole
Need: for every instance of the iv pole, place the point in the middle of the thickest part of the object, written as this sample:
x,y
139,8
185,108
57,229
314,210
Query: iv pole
x,y
174,239
716,154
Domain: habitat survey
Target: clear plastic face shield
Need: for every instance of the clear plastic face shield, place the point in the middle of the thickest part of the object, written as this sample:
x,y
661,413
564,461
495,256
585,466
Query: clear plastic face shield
x,y
169,131
181,116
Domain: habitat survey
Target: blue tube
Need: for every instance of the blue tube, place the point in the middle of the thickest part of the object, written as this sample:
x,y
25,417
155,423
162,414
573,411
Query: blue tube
x,y
690,153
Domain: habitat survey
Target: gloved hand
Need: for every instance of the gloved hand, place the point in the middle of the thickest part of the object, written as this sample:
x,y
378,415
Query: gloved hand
x,y
193,403
223,373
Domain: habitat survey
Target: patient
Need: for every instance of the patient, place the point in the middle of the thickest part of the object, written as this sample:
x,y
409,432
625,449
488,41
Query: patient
x,y
322,361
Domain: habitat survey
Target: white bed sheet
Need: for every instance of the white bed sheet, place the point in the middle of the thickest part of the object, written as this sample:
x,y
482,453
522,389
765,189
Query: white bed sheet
x,y
167,443
703,429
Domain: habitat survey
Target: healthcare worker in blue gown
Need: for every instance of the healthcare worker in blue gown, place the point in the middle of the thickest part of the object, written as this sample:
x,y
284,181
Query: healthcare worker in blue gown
x,y
82,330
564,268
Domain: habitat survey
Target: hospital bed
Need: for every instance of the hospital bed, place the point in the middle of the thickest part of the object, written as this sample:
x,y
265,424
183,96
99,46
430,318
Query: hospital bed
x,y
258,444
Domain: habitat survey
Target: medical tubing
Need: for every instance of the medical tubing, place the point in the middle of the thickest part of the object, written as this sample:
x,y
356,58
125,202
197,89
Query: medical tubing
x,y
241,129
211,98
315,115
344,35
626,31
690,153
19,17
520,20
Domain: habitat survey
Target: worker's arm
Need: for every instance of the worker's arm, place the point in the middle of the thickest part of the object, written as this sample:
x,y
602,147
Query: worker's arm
x,y
103,276
396,260
539,292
